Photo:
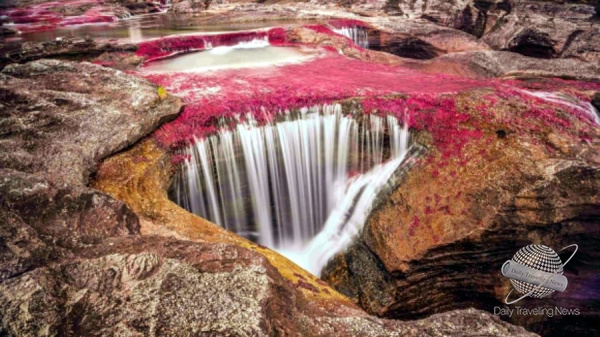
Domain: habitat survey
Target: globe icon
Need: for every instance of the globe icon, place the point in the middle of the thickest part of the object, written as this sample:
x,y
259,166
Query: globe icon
x,y
541,258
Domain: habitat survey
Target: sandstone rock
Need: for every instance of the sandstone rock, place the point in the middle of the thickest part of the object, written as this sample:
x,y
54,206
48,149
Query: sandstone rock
x,y
73,262
53,112
65,48
58,121
153,286
420,40
438,242
547,30
485,64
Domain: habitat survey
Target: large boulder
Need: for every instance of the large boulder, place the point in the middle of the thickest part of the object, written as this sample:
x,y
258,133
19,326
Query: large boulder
x,y
439,240
60,118
15,52
547,30
489,63
420,40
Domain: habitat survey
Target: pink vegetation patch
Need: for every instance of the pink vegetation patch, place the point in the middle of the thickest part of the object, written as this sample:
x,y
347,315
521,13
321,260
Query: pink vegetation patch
x,y
170,46
321,29
47,15
265,92
427,103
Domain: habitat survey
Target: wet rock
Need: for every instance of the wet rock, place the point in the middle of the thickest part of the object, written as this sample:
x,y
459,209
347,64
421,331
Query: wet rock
x,y
596,101
60,118
7,31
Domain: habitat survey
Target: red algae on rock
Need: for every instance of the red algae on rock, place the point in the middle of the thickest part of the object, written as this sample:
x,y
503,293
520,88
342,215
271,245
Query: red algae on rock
x,y
170,46
428,101
47,15
230,93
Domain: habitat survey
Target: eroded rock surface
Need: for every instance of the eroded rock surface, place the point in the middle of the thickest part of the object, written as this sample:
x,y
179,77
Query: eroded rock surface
x,y
60,118
488,64
441,238
65,48
155,286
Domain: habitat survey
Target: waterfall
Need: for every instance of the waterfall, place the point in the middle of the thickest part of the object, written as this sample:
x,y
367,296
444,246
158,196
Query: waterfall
x,y
351,212
290,181
586,108
257,42
357,34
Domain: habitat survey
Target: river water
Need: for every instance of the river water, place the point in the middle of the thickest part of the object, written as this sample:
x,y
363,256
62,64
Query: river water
x,y
142,27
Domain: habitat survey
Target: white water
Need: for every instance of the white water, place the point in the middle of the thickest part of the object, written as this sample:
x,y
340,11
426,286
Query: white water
x,y
345,220
248,54
357,34
586,108
303,185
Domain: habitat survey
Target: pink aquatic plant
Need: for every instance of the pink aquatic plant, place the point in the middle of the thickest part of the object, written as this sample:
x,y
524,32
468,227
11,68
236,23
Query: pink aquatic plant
x,y
170,46
426,102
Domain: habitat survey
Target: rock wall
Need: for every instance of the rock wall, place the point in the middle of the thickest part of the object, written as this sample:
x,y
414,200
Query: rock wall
x,y
440,239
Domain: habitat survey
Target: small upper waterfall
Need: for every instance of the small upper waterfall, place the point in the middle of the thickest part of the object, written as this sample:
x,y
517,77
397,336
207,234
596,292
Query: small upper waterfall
x,y
357,34
586,108
281,184
250,53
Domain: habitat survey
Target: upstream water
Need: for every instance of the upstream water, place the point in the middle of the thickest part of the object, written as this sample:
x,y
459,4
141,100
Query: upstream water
x,y
585,108
251,54
302,185
143,27
357,34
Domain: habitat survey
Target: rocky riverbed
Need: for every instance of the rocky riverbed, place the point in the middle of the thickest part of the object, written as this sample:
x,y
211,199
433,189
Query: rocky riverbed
x,y
500,96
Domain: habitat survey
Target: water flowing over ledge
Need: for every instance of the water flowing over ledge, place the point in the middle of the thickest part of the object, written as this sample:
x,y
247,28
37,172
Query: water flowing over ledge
x,y
170,46
584,108
357,34
312,174
253,53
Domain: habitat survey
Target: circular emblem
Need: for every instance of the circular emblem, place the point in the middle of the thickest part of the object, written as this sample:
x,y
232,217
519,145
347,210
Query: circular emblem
x,y
536,271
538,257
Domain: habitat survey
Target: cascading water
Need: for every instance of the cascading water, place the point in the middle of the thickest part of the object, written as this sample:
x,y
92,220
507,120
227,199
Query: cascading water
x,y
310,175
357,34
586,108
